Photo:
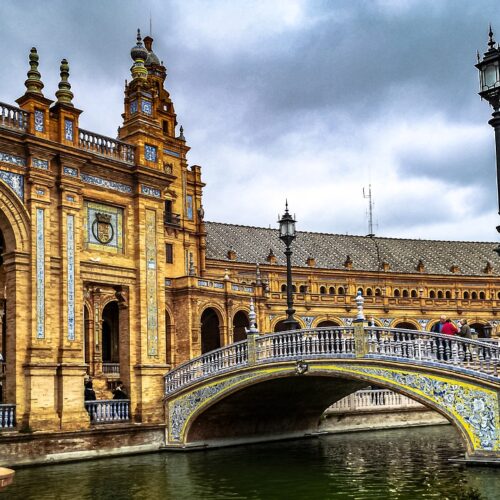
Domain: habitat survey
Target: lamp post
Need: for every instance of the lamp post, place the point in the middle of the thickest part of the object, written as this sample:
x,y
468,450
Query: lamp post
x,y
489,85
287,235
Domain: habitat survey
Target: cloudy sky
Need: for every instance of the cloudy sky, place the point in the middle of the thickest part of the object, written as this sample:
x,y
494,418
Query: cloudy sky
x,y
305,100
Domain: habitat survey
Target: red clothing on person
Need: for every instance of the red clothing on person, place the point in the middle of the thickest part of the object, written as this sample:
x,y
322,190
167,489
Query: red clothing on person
x,y
449,329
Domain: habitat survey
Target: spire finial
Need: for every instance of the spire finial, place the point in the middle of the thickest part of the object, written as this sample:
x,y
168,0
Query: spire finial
x,y
64,93
138,54
491,41
34,84
181,134
252,317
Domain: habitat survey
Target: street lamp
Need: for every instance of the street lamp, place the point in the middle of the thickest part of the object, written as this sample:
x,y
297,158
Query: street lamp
x,y
287,235
489,85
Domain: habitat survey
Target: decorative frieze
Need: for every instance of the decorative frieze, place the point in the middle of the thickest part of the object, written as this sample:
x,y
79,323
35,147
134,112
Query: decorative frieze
x,y
308,320
40,274
70,249
171,153
39,120
105,183
151,284
150,191
38,163
15,160
15,181
72,172
68,129
150,153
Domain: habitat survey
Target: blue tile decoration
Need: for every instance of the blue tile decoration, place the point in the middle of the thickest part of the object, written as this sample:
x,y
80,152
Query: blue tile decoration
x,y
39,120
103,227
105,183
68,129
150,152
70,198
151,284
171,153
218,285
70,248
146,107
40,274
43,164
168,282
133,106
72,172
189,207
15,160
15,181
40,192
150,191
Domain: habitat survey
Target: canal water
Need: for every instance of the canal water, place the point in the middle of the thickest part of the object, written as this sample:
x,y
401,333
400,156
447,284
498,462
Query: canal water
x,y
401,464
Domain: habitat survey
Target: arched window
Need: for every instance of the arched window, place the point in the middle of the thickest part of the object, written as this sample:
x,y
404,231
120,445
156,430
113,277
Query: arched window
x,y
482,295
448,294
341,290
327,323
210,333
360,290
378,292
414,294
440,294
432,294
322,290
302,289
467,295
283,288
405,293
498,295
240,323
397,293
294,289
331,290
406,325
474,295
369,292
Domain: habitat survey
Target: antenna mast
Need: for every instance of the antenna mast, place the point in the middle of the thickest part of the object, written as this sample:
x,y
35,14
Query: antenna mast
x,y
370,210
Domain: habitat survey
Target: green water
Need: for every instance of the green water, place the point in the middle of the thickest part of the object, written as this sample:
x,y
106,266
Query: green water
x,y
403,464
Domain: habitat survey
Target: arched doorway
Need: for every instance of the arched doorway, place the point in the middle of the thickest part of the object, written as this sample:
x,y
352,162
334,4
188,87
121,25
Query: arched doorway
x,y
240,322
281,326
210,332
110,333
406,325
327,323
479,329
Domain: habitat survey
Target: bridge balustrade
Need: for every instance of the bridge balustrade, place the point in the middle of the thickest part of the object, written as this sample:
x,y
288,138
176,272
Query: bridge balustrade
x,y
12,117
418,347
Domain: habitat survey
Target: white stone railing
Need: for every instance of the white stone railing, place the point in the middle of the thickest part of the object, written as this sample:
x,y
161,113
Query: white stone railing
x,y
218,361
111,368
422,348
105,411
370,400
7,416
12,117
106,146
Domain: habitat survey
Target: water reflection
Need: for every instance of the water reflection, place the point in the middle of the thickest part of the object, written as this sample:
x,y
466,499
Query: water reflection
x,y
399,464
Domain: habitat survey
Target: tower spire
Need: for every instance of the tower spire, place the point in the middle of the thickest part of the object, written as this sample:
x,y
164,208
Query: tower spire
x,y
34,84
64,94
139,55
491,41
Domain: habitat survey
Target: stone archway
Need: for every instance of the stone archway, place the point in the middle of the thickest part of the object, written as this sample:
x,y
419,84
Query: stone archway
x,y
328,323
210,330
407,325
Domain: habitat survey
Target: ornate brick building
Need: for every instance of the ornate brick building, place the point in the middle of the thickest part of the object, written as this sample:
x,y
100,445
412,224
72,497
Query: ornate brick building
x,y
109,269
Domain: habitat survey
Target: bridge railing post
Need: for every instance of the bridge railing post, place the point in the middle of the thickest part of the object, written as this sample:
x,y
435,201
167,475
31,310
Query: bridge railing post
x,y
252,348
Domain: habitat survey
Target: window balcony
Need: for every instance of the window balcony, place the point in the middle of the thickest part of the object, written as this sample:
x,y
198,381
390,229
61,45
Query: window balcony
x,y
171,219
108,411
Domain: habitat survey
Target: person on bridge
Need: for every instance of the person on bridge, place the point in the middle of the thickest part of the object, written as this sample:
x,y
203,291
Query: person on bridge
x,y
465,330
437,328
449,328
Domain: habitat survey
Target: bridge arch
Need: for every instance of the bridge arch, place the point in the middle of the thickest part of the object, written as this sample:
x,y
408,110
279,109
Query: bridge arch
x,y
283,401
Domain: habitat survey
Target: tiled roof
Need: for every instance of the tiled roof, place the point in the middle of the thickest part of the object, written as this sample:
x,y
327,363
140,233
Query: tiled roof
x,y
330,251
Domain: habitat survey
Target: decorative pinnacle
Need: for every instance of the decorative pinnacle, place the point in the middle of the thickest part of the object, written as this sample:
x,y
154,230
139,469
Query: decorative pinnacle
x,y
181,134
138,54
491,41
34,84
64,94
252,320
359,303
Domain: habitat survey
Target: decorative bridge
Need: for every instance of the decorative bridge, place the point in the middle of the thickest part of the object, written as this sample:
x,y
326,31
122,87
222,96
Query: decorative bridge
x,y
278,385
